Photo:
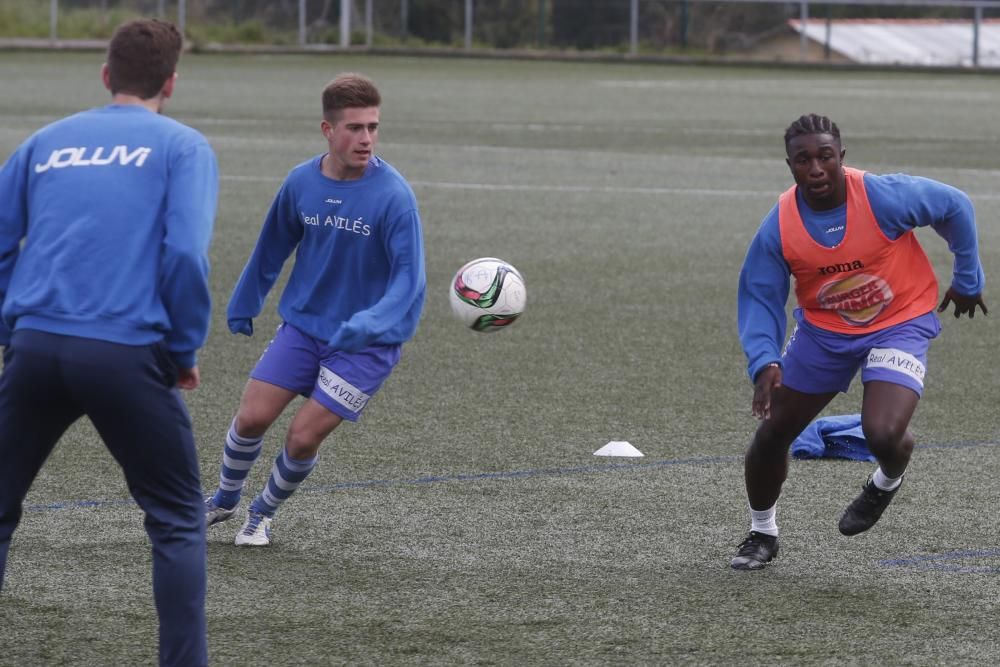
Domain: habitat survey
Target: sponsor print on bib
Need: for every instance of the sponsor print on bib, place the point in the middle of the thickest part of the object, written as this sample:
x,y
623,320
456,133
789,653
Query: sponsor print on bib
x,y
858,299
341,390
897,360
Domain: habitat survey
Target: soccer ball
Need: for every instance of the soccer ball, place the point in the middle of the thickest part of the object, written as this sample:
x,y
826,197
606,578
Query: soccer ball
x,y
487,294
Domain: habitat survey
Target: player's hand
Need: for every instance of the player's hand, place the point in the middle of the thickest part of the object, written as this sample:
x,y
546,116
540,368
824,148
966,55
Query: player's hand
x,y
764,385
241,325
353,334
188,378
963,304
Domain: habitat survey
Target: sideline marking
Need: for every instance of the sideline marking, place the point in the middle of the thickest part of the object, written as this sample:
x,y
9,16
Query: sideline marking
x,y
483,476
945,562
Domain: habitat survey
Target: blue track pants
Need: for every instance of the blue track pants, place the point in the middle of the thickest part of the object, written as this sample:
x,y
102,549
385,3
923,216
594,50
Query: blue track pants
x,y
48,382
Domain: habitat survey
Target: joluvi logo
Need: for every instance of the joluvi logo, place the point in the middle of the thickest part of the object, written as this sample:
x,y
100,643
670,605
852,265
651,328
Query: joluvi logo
x,y
78,157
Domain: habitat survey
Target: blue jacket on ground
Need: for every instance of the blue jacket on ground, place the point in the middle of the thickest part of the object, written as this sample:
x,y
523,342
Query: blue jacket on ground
x,y
837,436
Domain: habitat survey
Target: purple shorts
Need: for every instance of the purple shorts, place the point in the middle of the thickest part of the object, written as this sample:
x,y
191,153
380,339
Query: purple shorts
x,y
342,382
817,361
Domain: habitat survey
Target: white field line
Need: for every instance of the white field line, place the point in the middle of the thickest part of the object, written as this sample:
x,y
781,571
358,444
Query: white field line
x,y
499,187
512,187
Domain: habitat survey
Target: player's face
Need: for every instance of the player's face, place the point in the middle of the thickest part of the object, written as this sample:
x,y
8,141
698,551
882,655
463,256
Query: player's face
x,y
352,142
817,164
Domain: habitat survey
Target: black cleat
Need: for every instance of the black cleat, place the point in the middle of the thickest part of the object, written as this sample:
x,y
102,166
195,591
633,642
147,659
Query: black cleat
x,y
756,551
865,510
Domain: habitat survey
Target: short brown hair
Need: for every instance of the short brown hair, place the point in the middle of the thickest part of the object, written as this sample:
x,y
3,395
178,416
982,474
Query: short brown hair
x,y
142,55
349,91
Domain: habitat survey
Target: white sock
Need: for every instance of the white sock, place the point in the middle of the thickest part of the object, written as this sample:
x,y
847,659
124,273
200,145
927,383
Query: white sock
x,y
764,521
885,483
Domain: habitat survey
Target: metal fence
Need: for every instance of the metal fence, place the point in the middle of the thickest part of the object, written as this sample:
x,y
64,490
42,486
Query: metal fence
x,y
631,28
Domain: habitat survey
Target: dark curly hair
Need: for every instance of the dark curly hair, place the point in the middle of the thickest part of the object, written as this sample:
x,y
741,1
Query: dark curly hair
x,y
811,124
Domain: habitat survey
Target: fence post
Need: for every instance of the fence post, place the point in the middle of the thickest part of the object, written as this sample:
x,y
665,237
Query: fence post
x,y
541,23
803,39
53,20
975,35
302,22
345,23
684,24
181,16
368,22
468,24
633,28
829,34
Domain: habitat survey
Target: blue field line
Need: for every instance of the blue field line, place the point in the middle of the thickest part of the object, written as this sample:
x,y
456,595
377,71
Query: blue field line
x,y
78,504
945,561
430,479
487,476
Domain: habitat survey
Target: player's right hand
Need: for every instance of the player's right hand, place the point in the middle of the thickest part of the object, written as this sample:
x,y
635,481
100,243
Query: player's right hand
x,y
188,378
764,385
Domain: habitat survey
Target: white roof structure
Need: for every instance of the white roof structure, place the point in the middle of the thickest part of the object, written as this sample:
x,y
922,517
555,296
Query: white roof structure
x,y
929,42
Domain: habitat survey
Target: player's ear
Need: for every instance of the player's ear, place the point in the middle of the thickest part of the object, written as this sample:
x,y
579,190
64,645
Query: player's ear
x,y
326,129
168,86
106,76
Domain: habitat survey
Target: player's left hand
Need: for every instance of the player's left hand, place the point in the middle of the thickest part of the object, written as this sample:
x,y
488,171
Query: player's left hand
x,y
241,325
352,335
963,304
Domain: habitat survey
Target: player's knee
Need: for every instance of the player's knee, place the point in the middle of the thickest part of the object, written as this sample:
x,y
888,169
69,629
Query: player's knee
x,y
302,442
251,422
774,436
888,439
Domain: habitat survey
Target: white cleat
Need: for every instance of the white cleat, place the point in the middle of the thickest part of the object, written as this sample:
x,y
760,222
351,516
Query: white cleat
x,y
215,514
256,531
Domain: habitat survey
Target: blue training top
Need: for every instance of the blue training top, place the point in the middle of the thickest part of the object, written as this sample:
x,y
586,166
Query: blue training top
x,y
115,207
900,203
358,277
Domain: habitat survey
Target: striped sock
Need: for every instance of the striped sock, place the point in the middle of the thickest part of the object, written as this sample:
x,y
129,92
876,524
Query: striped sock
x,y
286,475
237,460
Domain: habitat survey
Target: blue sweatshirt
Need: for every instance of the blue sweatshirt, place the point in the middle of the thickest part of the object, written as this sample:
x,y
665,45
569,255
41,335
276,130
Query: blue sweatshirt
x,y
358,277
900,203
115,207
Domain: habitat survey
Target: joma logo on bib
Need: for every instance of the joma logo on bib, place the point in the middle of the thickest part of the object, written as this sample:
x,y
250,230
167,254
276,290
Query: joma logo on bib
x,y
79,157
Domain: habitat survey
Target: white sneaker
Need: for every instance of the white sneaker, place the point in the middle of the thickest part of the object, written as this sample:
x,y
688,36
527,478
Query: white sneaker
x,y
215,514
256,531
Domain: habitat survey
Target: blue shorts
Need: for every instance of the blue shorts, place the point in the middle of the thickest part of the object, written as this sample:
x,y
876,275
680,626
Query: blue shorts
x,y
342,382
817,361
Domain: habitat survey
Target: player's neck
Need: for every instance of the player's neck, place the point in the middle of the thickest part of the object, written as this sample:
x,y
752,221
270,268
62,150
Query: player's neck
x,y
339,172
154,104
